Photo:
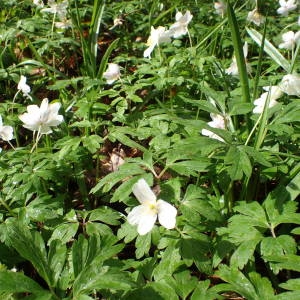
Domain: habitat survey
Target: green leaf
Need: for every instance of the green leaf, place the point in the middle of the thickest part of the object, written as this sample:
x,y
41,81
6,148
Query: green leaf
x,y
269,49
106,215
153,290
92,142
288,261
239,163
262,285
170,261
202,292
238,52
238,282
111,179
191,167
56,257
292,284
15,282
244,252
64,232
281,245
142,244
183,283
30,246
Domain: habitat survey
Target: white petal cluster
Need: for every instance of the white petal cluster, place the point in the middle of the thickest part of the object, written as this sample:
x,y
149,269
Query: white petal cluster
x,y
179,28
255,17
23,86
220,7
218,121
146,214
38,3
233,68
290,84
112,73
42,118
290,39
60,8
273,92
157,36
162,35
286,6
6,132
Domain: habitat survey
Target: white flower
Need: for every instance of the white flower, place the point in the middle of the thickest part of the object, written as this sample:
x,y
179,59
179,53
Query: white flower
x,y
255,17
273,92
64,24
38,3
23,86
290,84
220,8
233,68
59,9
218,121
112,73
286,7
145,215
157,36
299,20
179,28
117,22
6,132
290,39
42,118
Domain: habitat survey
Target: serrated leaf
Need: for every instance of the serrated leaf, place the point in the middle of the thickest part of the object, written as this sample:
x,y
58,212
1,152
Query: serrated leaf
x,y
291,284
288,261
15,282
202,292
151,291
142,244
170,261
238,282
56,257
64,232
106,215
125,171
30,246
92,142
244,252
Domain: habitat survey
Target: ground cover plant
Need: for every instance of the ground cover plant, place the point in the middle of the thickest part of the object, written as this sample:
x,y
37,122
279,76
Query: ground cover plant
x,y
150,149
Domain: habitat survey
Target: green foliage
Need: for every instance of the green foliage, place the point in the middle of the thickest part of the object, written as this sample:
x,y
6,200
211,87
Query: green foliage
x,y
179,120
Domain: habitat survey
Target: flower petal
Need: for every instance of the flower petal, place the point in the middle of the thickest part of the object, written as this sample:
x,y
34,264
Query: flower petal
x,y
143,192
143,218
6,133
166,214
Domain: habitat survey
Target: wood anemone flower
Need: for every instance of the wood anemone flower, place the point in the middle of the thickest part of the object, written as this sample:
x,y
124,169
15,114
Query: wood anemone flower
x,y
146,214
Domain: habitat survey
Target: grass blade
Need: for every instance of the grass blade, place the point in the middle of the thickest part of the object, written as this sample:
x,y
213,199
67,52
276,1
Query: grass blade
x,y
269,49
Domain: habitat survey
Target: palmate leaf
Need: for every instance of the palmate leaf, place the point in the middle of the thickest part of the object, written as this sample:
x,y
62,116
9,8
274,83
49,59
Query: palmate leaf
x,y
30,246
170,261
288,261
182,283
111,179
152,290
283,244
239,163
203,292
88,256
253,288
